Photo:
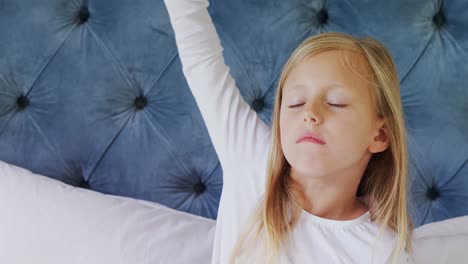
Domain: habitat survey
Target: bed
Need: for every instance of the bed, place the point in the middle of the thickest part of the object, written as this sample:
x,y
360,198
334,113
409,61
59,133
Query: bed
x,y
105,158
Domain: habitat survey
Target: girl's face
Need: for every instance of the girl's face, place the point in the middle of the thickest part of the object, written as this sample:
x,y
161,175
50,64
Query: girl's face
x,y
328,99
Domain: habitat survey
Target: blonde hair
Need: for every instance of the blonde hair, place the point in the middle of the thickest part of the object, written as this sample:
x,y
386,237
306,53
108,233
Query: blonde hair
x,y
384,179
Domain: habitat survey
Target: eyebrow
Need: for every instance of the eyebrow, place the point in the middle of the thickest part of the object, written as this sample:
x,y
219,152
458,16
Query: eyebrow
x,y
331,86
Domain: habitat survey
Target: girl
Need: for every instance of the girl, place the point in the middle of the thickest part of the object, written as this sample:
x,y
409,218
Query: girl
x,y
327,183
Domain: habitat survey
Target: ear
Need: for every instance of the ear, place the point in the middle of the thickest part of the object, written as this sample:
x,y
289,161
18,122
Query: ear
x,y
380,139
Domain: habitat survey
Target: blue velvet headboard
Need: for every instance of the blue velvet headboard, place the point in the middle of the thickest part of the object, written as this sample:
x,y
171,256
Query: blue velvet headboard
x,y
92,92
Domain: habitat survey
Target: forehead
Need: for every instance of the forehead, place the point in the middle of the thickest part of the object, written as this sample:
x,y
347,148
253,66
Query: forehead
x,y
338,69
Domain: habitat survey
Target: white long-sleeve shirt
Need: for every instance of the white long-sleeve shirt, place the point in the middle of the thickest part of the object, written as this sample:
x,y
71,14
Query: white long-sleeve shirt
x,y
241,141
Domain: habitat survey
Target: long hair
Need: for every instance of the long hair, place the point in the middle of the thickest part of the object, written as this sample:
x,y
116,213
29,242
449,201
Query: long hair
x,y
383,181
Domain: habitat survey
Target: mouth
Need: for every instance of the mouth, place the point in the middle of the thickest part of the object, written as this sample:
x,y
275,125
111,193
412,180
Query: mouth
x,y
309,137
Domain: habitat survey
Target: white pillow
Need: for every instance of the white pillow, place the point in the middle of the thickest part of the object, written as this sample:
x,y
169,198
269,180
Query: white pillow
x,y
43,220
442,242
46,221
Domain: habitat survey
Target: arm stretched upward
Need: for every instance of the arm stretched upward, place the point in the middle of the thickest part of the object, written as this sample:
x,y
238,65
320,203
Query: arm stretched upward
x,y
239,137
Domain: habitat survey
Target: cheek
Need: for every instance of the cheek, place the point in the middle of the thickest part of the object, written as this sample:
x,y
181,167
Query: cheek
x,y
353,133
284,125
287,127
345,131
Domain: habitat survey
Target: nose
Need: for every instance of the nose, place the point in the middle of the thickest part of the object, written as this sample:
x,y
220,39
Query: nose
x,y
310,119
312,116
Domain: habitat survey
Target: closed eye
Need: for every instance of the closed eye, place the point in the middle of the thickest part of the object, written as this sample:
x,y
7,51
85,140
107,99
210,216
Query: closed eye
x,y
293,106
334,105
337,105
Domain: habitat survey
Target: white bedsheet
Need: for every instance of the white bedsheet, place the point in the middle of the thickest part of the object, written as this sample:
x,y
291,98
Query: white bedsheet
x,y
46,221
443,242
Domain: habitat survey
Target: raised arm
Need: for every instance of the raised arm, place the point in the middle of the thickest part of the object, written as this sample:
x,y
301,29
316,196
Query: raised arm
x,y
239,137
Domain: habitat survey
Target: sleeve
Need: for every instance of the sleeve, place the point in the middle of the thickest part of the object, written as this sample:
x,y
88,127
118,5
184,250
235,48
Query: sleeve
x,y
239,137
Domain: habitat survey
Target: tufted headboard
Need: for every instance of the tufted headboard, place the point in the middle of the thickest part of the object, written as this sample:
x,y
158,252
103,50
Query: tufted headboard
x,y
92,92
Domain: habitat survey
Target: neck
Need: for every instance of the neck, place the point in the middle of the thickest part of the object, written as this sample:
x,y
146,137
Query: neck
x,y
328,196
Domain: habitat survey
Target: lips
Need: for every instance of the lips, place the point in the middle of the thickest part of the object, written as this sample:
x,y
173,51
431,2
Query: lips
x,y
310,137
